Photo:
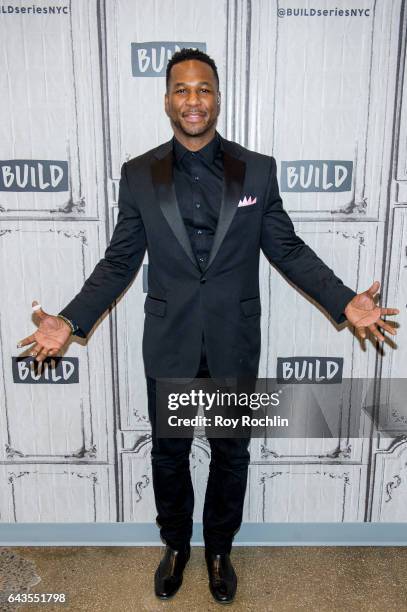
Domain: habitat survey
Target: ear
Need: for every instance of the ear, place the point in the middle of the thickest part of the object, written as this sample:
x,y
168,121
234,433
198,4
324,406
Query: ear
x,y
166,104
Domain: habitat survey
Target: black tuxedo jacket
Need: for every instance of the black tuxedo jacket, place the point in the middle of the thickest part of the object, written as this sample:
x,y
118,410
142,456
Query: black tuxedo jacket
x,y
222,301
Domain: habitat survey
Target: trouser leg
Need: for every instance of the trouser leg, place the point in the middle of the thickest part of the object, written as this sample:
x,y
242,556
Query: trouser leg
x,y
173,491
225,492
227,482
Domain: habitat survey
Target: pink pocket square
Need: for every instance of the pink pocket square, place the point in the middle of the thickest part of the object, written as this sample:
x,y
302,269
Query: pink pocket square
x,y
247,201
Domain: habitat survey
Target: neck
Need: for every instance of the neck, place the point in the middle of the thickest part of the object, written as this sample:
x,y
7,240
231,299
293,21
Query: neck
x,y
194,143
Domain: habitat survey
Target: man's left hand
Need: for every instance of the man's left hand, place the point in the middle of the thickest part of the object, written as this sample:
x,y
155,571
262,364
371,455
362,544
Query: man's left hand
x,y
363,313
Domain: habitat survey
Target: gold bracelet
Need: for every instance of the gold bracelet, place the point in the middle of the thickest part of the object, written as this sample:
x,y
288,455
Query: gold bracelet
x,y
67,321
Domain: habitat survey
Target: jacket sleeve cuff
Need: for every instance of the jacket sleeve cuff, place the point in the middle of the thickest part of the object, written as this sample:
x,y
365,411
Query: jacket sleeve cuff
x,y
338,313
77,331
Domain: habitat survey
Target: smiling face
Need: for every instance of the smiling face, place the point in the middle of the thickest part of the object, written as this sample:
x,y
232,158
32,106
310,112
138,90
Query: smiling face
x,y
191,102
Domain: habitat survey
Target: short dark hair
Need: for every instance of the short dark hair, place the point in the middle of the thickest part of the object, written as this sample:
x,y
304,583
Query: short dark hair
x,y
190,54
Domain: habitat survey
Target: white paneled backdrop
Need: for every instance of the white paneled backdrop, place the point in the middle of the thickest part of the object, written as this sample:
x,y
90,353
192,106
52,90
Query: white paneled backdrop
x,y
299,87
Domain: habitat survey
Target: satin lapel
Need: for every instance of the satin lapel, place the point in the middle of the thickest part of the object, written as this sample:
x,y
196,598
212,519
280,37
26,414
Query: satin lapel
x,y
161,172
234,173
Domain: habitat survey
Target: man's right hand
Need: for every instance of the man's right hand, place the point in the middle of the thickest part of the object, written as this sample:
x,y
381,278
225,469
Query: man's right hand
x,y
52,334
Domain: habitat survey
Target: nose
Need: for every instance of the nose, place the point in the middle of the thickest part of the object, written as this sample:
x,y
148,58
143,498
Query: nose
x,y
193,99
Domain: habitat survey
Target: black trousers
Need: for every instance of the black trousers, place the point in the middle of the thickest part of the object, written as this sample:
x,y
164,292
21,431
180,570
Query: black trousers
x,y
173,491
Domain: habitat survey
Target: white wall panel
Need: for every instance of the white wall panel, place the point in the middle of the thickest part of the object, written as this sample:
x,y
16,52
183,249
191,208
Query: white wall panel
x,y
394,362
59,421
6,500
50,88
137,481
297,325
310,494
390,484
323,88
57,493
393,372
401,143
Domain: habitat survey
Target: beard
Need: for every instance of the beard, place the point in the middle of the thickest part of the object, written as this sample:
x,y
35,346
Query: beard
x,y
190,129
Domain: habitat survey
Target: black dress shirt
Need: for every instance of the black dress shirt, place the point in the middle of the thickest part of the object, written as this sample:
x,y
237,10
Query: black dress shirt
x,y
198,181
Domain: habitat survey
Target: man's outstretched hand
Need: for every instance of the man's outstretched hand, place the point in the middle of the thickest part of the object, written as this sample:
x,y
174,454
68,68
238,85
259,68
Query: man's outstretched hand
x,y
51,336
364,314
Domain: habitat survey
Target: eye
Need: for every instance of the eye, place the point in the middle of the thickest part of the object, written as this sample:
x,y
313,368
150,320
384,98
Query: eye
x,y
180,90
205,90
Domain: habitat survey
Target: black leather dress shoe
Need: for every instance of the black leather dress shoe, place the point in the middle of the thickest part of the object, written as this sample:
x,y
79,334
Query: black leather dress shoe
x,y
222,577
169,573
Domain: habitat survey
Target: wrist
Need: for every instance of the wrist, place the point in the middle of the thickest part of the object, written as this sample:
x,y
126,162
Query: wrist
x,y
347,308
67,322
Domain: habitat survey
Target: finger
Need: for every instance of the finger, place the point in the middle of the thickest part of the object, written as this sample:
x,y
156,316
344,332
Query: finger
x,y
360,332
37,348
387,326
37,310
27,340
42,355
389,311
376,332
374,288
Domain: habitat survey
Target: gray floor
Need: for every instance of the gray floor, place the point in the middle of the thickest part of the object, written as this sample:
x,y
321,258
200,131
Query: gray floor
x,y
282,579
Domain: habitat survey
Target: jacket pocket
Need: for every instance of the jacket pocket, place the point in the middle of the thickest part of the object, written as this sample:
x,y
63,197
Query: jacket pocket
x,y
242,210
155,306
251,307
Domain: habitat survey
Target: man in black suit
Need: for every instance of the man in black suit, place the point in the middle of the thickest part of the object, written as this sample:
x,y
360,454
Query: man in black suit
x,y
203,207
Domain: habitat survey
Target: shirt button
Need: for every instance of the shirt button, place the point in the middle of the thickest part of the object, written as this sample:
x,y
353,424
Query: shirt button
x,y
201,259
197,204
199,232
196,178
